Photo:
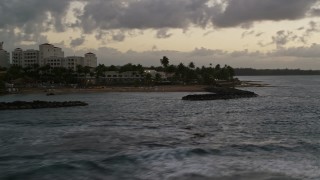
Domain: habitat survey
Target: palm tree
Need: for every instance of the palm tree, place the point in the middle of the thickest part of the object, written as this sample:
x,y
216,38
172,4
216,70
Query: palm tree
x,y
79,69
164,61
148,78
14,72
86,70
44,73
158,77
191,65
100,71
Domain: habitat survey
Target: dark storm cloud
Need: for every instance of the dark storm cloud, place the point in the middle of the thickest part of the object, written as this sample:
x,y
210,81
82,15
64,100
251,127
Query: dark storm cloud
x,y
283,37
315,12
259,34
28,14
238,12
143,14
309,30
102,17
313,27
247,33
159,14
251,33
77,42
120,36
163,33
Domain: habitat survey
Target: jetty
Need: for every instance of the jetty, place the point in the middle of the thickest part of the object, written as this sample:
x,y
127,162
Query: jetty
x,y
220,93
18,105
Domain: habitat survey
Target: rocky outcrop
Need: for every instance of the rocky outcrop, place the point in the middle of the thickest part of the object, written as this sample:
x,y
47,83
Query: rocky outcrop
x,y
220,93
16,105
229,91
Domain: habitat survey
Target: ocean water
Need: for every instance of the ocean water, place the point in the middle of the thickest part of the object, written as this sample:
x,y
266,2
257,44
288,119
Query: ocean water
x,y
156,136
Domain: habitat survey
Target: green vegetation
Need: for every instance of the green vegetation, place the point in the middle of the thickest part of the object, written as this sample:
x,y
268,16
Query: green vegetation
x,y
101,75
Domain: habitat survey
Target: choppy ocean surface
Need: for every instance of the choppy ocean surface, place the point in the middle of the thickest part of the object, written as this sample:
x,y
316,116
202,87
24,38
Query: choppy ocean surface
x,y
155,136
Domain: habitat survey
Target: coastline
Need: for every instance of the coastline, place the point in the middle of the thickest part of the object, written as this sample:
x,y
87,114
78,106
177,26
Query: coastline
x,y
171,88
160,88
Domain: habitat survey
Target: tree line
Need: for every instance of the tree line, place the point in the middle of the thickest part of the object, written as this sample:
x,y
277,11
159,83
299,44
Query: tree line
x,y
181,73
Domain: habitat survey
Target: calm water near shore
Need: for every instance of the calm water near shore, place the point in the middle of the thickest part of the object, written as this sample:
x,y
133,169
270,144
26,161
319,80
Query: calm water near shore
x,y
155,136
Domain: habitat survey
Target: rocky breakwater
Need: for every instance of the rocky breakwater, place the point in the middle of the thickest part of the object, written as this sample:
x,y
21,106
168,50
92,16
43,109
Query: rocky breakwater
x,y
220,93
17,105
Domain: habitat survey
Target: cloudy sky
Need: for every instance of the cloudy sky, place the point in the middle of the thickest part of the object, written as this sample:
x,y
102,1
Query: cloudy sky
x,y
241,33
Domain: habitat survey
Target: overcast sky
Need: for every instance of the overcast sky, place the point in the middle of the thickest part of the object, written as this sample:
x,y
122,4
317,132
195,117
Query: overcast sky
x,y
241,33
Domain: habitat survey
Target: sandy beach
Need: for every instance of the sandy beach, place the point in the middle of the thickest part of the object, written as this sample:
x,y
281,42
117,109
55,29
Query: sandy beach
x,y
163,88
171,88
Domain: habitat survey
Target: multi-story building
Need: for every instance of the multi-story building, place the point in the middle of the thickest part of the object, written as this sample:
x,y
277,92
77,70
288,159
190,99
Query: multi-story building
x,y
58,52
4,57
71,62
17,57
54,56
48,54
54,62
48,51
26,58
30,58
90,60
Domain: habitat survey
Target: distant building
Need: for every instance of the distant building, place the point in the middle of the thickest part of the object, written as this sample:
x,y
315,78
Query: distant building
x,y
72,62
54,62
54,56
30,58
26,58
58,52
4,57
49,51
48,54
90,60
128,77
17,57
153,73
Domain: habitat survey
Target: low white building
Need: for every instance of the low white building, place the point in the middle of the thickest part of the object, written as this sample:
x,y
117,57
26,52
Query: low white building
x,y
4,57
112,77
153,73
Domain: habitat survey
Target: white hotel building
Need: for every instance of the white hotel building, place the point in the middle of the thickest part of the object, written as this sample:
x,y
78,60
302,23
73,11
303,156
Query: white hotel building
x,y
48,54
26,58
4,57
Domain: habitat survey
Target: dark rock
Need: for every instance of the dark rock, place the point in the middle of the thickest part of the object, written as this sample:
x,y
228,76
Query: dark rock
x,y
38,105
228,91
220,93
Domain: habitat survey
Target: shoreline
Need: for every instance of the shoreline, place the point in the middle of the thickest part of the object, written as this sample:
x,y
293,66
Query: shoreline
x,y
160,88
102,89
